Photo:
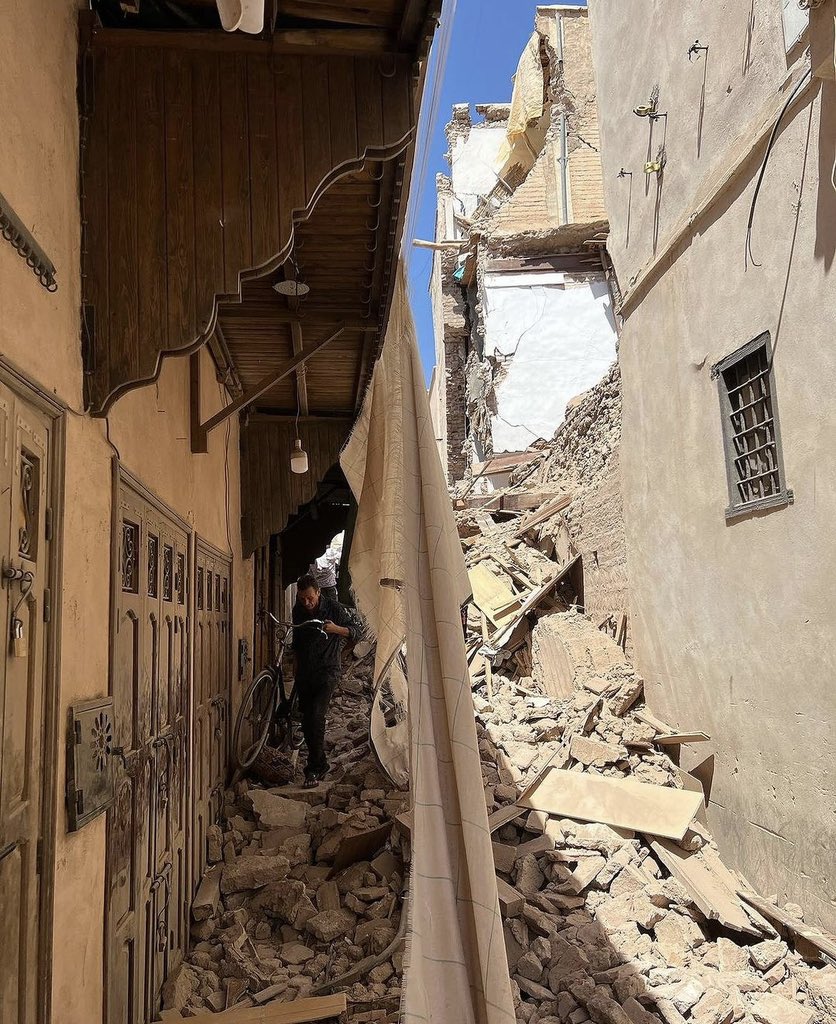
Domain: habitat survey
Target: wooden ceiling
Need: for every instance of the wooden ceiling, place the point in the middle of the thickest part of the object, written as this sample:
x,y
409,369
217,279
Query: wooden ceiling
x,y
369,26
343,253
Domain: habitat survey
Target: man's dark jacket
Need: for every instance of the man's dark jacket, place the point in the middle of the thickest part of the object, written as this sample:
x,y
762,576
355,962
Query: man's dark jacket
x,y
318,656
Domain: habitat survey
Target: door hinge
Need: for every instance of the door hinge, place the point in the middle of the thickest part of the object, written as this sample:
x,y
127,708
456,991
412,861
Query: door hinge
x,y
47,604
48,524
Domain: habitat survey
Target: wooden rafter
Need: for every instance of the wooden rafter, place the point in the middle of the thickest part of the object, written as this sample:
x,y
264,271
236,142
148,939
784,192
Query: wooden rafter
x,y
200,430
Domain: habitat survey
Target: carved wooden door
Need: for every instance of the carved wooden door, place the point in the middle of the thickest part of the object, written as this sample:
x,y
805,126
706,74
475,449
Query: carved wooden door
x,y
24,546
147,857
212,688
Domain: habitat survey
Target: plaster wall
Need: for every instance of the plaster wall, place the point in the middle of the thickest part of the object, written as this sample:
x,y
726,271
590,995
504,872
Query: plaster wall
x,y
730,619
474,163
556,336
40,335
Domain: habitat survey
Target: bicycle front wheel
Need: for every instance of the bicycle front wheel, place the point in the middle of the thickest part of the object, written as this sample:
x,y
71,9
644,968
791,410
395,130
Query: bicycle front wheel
x,y
254,717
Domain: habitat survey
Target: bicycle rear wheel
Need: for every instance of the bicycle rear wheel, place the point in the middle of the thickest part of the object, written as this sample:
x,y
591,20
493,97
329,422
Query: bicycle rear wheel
x,y
252,723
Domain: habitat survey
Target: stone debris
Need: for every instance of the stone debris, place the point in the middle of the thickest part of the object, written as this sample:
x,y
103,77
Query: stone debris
x,y
596,928
270,922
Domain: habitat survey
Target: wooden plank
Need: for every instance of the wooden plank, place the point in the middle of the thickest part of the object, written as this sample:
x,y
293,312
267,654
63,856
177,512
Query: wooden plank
x,y
150,194
291,136
122,214
317,112
342,97
179,164
533,600
545,513
236,171
504,815
511,902
823,942
208,180
295,1011
263,159
673,739
490,594
621,803
709,892
487,661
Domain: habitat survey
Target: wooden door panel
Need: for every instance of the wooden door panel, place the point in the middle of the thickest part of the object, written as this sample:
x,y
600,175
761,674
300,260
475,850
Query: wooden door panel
x,y
147,849
24,472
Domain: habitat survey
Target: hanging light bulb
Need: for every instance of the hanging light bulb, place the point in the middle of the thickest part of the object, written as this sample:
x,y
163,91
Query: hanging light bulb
x,y
298,458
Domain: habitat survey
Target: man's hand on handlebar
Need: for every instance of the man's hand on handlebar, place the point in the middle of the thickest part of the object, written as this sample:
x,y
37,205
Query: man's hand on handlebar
x,y
334,630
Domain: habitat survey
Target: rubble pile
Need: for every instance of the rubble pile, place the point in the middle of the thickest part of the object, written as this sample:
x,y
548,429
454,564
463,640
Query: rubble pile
x,y
305,886
603,923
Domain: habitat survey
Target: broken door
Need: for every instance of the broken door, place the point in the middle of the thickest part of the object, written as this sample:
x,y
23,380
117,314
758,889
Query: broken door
x,y
24,546
212,687
147,856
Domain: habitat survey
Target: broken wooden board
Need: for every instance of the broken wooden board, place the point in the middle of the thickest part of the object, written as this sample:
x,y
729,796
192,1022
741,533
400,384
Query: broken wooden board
x,y
491,596
359,847
532,600
504,815
693,785
621,803
707,888
511,902
295,1011
672,739
824,943
549,510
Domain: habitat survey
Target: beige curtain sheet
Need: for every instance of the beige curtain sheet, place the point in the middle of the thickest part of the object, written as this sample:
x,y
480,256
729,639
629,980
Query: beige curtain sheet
x,y
409,578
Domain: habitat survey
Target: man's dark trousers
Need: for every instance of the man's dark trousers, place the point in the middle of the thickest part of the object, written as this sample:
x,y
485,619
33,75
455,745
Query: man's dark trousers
x,y
314,697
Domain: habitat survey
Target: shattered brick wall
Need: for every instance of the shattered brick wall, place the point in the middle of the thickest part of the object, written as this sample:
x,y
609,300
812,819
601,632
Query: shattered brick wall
x,y
584,457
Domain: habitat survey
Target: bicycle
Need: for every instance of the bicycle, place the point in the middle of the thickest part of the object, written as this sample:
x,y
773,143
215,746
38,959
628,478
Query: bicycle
x,y
266,708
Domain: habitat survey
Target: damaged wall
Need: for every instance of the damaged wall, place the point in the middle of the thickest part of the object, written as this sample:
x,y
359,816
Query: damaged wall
x,y
731,617
541,332
550,336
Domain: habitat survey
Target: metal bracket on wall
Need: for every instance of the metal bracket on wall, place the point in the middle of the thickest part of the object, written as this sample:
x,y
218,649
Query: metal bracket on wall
x,y
15,231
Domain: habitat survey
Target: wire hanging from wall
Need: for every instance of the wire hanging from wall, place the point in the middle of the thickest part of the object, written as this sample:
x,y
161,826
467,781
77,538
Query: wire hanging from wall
x,y
747,256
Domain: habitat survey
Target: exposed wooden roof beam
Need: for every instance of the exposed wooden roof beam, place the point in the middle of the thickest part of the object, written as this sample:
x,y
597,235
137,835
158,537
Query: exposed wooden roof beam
x,y
331,41
200,430
301,379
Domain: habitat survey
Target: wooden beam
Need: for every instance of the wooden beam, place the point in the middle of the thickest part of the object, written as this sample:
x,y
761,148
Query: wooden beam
x,y
266,382
323,42
301,379
198,435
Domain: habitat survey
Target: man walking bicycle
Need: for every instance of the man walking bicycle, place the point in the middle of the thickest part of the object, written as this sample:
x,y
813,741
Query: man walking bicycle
x,y
317,656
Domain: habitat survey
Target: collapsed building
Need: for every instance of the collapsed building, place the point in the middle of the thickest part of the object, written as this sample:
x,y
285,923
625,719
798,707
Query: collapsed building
x,y
521,301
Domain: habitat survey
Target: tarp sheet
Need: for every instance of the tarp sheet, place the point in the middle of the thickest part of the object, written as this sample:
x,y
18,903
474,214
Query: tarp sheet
x,y
409,579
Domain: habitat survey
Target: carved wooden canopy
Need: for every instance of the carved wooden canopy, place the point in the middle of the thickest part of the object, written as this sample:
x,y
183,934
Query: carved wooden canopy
x,y
202,154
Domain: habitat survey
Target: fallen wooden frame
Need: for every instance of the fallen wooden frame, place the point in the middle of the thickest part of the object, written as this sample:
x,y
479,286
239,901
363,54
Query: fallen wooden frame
x,y
294,1011
549,510
533,599
825,944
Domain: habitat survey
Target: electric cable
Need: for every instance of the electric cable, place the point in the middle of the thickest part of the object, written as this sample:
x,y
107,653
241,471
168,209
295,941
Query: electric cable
x,y
747,255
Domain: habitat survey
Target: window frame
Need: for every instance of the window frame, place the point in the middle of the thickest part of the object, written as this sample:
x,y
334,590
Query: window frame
x,y
737,507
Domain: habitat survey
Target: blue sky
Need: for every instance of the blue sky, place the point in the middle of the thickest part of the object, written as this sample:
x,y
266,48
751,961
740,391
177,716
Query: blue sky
x,y
487,39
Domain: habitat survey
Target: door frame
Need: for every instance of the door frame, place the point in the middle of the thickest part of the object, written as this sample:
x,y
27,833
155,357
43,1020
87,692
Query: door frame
x,y
55,410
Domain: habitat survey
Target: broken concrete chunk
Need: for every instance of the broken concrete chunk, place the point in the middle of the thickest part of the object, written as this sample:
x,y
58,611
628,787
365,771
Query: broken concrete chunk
x,y
295,953
821,990
595,836
731,957
328,925
676,937
504,857
594,752
603,1009
178,987
772,1009
626,910
246,873
529,877
274,811
767,954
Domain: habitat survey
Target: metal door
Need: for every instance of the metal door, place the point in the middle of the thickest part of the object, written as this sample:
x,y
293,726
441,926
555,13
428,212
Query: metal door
x,y
24,547
147,854
212,688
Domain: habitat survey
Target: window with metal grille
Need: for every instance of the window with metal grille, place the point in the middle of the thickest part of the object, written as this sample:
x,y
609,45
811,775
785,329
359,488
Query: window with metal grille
x,y
751,435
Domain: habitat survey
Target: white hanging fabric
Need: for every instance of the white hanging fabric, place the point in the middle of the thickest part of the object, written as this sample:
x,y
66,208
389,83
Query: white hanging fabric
x,y
409,578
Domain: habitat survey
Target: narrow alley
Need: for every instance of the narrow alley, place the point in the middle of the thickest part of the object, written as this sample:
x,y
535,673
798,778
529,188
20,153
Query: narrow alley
x,y
416,516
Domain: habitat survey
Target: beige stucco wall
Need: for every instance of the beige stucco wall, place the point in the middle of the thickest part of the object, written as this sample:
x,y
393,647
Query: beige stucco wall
x,y
731,621
39,334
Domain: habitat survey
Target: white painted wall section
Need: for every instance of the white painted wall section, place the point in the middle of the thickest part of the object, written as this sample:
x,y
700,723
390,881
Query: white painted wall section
x,y
473,164
560,334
